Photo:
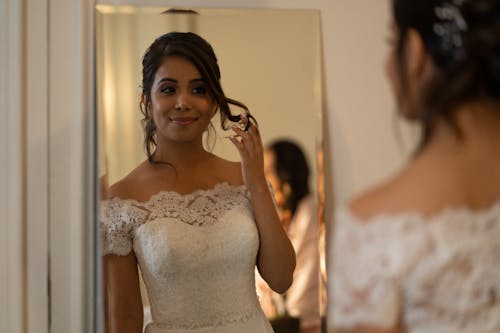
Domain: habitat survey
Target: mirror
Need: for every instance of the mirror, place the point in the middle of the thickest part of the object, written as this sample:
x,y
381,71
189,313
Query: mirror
x,y
269,59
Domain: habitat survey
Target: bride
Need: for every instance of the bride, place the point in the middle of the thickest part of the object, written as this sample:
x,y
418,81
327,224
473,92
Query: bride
x,y
195,224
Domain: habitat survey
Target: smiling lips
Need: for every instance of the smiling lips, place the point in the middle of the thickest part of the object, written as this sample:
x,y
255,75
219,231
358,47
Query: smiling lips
x,y
183,121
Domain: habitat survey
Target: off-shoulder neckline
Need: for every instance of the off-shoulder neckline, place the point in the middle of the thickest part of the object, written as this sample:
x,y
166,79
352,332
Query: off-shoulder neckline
x,y
446,212
172,193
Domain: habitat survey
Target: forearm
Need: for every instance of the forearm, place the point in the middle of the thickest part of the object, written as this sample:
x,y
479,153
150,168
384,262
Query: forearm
x,y
122,298
276,258
125,323
123,316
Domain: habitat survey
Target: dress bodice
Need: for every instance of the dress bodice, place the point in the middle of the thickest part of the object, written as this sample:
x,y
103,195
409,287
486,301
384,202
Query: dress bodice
x,y
437,274
197,253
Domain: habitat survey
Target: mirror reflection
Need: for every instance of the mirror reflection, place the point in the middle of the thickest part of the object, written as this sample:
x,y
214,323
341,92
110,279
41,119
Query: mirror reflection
x,y
270,61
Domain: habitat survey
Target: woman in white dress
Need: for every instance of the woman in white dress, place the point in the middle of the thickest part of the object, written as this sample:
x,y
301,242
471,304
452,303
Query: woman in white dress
x,y
421,252
196,224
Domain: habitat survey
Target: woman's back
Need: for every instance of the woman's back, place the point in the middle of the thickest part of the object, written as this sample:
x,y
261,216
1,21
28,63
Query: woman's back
x,y
422,251
425,274
450,172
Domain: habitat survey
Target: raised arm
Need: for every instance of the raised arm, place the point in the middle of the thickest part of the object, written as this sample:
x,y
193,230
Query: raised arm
x,y
276,258
122,297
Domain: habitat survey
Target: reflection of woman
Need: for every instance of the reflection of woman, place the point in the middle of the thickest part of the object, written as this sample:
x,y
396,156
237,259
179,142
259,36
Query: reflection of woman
x,y
420,253
195,224
287,170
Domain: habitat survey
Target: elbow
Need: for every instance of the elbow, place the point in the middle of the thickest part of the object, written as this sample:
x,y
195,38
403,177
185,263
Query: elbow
x,y
279,273
125,317
281,286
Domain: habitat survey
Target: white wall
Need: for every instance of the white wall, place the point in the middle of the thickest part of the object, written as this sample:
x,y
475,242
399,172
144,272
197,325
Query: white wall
x,y
12,245
46,175
362,120
23,167
72,186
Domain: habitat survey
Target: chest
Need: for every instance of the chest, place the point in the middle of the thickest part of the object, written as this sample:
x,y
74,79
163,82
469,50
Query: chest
x,y
197,241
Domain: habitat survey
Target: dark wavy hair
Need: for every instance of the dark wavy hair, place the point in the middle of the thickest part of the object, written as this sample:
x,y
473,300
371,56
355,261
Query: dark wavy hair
x,y
468,71
292,168
198,51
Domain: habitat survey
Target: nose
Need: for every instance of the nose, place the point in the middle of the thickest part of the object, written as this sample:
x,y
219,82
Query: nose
x,y
182,102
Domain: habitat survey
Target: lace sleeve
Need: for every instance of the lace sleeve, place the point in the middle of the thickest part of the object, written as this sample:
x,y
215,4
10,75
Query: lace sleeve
x,y
369,261
118,221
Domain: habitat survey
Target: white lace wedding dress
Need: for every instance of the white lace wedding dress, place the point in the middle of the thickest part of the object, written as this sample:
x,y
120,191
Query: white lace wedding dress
x,y
197,253
440,274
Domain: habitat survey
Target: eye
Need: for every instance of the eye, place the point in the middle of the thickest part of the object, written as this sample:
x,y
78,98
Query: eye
x,y
168,90
200,90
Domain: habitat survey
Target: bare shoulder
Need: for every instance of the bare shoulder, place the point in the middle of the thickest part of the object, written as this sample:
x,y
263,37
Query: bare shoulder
x,y
409,191
129,186
423,188
228,171
372,202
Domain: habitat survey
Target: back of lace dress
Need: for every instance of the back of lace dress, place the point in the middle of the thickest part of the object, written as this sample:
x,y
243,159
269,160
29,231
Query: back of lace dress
x,y
440,274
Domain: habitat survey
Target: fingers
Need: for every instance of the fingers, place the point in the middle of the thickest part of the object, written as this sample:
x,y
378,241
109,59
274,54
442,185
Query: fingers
x,y
238,144
250,139
251,129
249,144
247,137
248,120
244,141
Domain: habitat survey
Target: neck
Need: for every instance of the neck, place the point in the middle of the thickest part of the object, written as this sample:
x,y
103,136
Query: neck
x,y
479,126
181,156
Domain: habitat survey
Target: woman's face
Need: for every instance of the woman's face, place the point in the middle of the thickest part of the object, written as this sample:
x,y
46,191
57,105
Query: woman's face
x,y
181,105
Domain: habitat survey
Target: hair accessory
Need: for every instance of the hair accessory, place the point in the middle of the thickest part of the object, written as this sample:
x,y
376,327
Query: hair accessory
x,y
449,28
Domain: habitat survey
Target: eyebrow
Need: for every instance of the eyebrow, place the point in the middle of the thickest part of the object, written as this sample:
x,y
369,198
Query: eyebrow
x,y
168,79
